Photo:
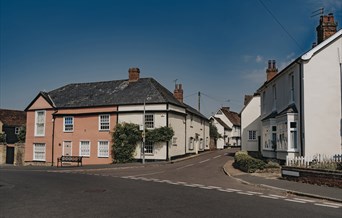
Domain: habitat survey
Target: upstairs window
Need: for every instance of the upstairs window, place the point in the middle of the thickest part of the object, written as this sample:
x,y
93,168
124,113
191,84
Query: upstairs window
x,y
16,130
68,124
149,121
104,122
39,123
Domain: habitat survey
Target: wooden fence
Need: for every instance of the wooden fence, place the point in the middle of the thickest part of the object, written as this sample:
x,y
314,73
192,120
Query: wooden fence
x,y
307,162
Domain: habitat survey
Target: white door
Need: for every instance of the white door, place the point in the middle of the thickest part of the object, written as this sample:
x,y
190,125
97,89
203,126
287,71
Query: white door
x,y
67,151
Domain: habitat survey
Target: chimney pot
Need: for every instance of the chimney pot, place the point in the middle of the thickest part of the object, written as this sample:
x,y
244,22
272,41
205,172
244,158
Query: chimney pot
x,y
178,92
133,74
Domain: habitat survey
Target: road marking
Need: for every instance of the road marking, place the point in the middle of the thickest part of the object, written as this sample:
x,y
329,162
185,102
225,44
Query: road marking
x,y
244,193
148,174
217,156
276,196
224,190
214,187
234,190
203,161
297,201
206,187
267,196
334,204
189,165
255,193
327,205
306,200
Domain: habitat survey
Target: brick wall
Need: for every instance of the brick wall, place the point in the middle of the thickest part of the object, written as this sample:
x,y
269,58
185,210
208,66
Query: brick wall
x,y
313,176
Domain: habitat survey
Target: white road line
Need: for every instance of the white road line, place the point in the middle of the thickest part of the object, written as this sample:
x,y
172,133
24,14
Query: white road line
x,y
189,165
224,190
276,196
148,174
206,187
217,156
306,200
203,161
327,205
234,190
334,204
267,196
182,183
244,193
255,193
214,187
297,201
191,185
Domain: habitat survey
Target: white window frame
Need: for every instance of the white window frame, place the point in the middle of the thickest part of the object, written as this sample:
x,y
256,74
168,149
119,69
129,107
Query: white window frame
x,y
149,148
103,123
149,123
43,152
80,148
16,130
98,148
253,134
36,123
71,130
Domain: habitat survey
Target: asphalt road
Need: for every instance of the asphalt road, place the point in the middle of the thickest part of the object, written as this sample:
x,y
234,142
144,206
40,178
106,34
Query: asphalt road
x,y
196,187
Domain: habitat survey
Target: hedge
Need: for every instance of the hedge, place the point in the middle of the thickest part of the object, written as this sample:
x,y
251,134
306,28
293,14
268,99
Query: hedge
x,y
247,163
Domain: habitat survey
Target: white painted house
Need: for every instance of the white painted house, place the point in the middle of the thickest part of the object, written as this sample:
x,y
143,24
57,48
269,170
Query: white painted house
x,y
228,126
301,105
163,108
250,124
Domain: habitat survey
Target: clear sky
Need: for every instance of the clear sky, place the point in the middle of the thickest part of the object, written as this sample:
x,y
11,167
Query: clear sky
x,y
217,47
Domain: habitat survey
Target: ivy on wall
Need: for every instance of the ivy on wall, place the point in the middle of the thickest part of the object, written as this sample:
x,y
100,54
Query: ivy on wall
x,y
127,135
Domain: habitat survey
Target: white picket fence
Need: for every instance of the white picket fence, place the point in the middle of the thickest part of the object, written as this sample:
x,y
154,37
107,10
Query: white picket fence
x,y
306,162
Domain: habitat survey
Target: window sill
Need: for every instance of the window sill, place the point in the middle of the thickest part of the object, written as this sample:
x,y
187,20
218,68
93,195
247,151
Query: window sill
x,y
38,160
102,157
104,130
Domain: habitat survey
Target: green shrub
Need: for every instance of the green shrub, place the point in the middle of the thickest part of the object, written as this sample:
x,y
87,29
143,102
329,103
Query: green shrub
x,y
272,164
247,163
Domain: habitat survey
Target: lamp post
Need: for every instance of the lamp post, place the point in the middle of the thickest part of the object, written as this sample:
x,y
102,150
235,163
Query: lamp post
x,y
144,138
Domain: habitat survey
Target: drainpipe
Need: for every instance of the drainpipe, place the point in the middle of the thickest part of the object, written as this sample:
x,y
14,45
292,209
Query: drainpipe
x,y
53,138
301,107
167,124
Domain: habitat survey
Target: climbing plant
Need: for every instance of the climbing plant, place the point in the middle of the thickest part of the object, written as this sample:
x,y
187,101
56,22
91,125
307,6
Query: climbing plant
x,y
162,134
127,135
125,138
22,134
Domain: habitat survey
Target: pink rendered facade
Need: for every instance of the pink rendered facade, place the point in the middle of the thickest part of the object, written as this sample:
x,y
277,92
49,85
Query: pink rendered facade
x,y
53,132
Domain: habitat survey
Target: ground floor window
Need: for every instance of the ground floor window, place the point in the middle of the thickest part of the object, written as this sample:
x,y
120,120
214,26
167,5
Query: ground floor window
x,y
103,149
148,148
39,152
85,148
251,135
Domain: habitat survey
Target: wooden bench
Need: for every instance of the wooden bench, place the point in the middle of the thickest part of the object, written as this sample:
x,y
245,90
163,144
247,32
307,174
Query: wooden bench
x,y
77,159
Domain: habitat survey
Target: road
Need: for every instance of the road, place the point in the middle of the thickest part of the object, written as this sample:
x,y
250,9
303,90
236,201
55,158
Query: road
x,y
195,187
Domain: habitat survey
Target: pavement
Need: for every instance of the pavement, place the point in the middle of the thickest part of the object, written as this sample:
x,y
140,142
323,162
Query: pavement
x,y
274,181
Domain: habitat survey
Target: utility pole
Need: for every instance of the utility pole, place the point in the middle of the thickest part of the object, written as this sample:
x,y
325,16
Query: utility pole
x,y
199,101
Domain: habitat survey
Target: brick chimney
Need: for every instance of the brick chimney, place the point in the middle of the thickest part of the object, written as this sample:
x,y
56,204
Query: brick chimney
x,y
133,74
178,92
326,28
271,71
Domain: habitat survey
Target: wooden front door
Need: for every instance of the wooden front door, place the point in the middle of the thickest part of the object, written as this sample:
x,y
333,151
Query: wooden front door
x,y
67,148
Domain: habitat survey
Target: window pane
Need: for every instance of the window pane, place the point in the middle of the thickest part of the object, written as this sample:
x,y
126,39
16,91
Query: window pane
x,y
104,122
294,139
103,149
68,124
39,151
148,148
85,148
149,121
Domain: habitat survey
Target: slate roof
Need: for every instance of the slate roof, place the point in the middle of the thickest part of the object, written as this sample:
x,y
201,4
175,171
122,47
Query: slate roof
x,y
222,123
232,116
117,92
194,111
12,117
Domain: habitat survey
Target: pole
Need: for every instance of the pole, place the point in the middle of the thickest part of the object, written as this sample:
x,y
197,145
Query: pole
x,y
143,144
199,101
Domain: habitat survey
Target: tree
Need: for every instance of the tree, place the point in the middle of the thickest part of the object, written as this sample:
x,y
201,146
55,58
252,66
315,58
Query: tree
x,y
213,132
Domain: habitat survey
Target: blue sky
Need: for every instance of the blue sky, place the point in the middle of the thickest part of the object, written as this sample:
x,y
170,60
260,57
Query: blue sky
x,y
217,47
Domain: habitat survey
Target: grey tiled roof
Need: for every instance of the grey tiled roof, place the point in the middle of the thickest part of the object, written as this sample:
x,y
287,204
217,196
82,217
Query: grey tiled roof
x,y
117,92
